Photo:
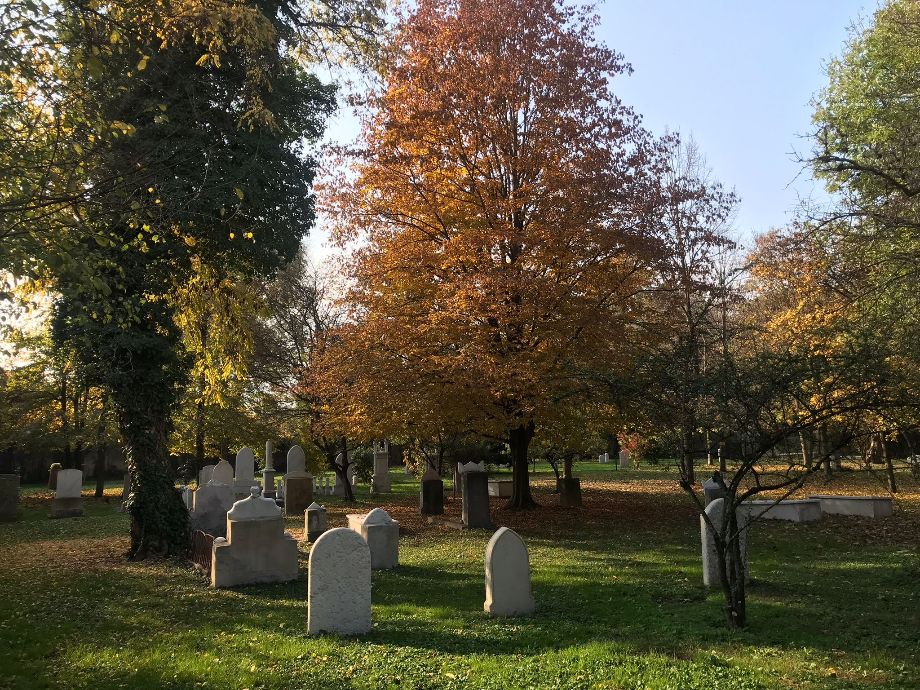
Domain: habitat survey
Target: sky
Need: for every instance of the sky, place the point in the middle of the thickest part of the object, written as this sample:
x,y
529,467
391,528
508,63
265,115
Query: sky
x,y
737,75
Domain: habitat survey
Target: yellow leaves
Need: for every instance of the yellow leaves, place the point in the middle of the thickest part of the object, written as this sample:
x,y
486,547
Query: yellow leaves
x,y
239,193
115,38
203,60
142,63
124,127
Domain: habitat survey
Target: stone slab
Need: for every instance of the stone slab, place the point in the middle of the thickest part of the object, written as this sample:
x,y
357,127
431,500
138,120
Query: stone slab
x,y
501,488
802,510
476,500
508,590
67,507
861,506
298,494
339,584
69,484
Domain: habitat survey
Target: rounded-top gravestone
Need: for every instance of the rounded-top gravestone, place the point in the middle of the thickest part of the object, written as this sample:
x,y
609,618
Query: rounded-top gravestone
x,y
508,591
339,584
222,475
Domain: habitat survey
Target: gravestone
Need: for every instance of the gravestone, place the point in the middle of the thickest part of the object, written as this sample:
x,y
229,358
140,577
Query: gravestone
x,y
188,497
712,489
257,549
315,522
339,584
381,533
501,488
431,496
711,573
9,496
508,591
268,474
244,477
222,474
204,475
475,486
209,509
380,483
52,475
339,488
67,501
465,467
624,459
569,492
298,483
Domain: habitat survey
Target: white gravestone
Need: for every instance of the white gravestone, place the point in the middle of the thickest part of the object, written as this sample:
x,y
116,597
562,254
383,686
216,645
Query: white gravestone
x,y
381,532
380,483
338,488
296,462
67,501
204,475
339,584
463,468
508,590
624,459
244,479
257,549
209,509
222,474
711,574
862,506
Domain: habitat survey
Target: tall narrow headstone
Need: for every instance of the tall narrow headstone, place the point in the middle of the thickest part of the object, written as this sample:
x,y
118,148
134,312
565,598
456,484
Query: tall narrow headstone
x,y
339,584
298,483
508,591
476,500
244,477
624,459
268,474
9,496
431,496
67,501
715,511
381,480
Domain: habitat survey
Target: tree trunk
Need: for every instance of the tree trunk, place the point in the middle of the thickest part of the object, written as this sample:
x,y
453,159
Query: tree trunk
x,y
731,566
567,468
341,471
100,469
806,451
159,518
519,441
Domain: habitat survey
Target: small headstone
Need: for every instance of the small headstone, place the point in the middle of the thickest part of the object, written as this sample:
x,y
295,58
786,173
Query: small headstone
x,y
315,525
569,492
210,504
381,533
204,475
339,584
475,486
244,477
508,591
431,497
9,496
380,483
222,474
712,489
256,549
711,573
67,501
624,459
298,483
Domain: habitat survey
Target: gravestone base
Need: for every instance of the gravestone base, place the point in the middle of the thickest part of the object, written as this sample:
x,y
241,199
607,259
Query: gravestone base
x,y
298,494
569,492
257,552
67,507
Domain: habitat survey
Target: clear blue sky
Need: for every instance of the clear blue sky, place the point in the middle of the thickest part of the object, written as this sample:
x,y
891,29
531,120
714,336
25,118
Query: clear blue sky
x,y
738,76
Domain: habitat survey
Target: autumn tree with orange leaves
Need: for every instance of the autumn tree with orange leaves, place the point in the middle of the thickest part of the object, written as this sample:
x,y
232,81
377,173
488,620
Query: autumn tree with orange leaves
x,y
498,206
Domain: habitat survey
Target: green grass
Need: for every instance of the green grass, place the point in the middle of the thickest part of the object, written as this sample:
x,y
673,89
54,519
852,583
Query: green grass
x,y
618,588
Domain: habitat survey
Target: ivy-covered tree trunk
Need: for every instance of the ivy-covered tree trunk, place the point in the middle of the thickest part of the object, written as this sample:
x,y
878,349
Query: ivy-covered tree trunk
x,y
159,518
519,441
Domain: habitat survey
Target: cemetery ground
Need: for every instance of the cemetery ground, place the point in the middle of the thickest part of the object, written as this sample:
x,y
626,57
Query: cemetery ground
x,y
618,586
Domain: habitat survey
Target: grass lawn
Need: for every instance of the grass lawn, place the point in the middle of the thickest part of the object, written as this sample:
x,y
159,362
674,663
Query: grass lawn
x,y
618,585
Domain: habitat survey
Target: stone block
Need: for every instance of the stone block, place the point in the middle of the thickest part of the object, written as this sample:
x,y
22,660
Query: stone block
x,y
569,492
802,510
66,507
381,533
314,522
861,506
298,494
508,590
431,495
501,488
257,549
69,484
339,584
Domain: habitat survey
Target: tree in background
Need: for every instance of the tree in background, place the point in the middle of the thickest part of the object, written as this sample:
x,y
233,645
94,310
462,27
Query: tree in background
x,y
499,201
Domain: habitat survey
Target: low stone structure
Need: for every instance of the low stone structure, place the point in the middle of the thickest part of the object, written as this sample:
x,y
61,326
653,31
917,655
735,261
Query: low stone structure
x,y
501,488
431,494
712,576
314,522
67,501
298,483
339,584
803,510
381,532
9,496
508,591
244,473
476,500
256,549
862,506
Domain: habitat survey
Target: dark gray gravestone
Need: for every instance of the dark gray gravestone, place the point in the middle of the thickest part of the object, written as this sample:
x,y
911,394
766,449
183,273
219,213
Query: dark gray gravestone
x,y
9,496
712,489
569,492
431,498
476,500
